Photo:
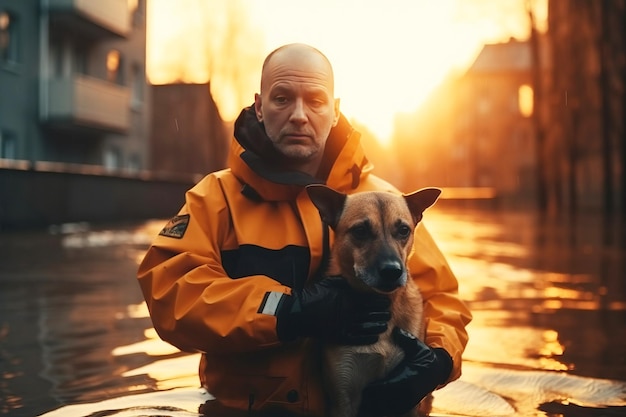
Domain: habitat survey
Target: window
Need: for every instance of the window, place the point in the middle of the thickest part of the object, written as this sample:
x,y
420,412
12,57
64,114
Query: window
x,y
67,57
134,163
137,81
112,159
55,59
8,145
483,102
114,67
8,38
525,100
80,57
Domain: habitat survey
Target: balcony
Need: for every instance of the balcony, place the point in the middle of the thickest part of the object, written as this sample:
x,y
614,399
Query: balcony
x,y
87,104
92,18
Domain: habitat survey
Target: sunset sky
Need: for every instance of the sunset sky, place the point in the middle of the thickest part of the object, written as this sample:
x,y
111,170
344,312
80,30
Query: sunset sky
x,y
387,56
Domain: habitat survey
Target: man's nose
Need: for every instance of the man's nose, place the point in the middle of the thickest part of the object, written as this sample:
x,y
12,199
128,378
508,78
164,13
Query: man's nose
x,y
298,114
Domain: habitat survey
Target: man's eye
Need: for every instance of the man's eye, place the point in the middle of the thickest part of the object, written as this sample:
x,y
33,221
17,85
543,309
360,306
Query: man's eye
x,y
317,103
280,99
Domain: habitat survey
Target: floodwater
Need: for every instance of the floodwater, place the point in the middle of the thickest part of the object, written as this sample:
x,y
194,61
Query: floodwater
x,y
548,337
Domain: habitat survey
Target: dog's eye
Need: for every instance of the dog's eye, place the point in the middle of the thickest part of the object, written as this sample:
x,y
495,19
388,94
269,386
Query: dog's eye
x,y
404,231
360,231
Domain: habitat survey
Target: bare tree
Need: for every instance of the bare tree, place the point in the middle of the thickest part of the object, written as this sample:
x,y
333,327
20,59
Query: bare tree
x,y
539,132
604,46
235,52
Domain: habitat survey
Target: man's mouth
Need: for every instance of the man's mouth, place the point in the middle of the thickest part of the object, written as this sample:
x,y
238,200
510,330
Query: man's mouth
x,y
296,137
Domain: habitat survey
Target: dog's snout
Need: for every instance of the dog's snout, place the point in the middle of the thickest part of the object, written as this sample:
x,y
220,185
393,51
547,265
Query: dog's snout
x,y
391,270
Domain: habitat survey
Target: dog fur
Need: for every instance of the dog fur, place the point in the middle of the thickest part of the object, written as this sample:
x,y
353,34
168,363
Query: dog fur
x,y
373,239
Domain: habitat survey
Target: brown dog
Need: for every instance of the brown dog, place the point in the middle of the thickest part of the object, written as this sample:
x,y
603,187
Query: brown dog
x,y
373,239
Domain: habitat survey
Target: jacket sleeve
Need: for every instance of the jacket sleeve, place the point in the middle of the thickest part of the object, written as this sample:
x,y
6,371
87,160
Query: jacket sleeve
x,y
446,315
193,303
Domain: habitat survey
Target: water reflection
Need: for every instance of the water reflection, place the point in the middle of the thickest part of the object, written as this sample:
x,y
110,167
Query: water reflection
x,y
63,309
547,338
545,295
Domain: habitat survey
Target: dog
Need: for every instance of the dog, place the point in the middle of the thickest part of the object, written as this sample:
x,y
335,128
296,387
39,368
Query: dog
x,y
373,240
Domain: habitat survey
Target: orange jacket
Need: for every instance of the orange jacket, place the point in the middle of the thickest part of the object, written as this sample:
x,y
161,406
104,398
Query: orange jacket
x,y
248,231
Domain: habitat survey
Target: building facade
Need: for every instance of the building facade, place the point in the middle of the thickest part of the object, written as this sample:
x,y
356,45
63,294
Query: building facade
x,y
493,138
585,102
188,133
73,89
475,133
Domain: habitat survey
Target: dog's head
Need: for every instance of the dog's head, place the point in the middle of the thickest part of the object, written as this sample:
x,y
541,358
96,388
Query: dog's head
x,y
373,233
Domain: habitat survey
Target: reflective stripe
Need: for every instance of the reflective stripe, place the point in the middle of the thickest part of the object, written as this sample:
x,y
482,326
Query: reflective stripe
x,y
270,303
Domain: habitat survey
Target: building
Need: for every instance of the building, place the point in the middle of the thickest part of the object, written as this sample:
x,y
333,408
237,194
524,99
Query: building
x,y
475,133
75,114
585,146
83,137
73,88
188,134
493,135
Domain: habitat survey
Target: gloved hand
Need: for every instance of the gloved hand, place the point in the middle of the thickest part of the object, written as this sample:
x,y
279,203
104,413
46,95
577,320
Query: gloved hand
x,y
419,373
332,311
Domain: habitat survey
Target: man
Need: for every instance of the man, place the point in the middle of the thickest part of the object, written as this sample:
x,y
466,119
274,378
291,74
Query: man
x,y
233,274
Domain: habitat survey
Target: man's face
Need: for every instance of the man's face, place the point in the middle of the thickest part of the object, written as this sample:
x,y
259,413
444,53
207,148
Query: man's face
x,y
297,106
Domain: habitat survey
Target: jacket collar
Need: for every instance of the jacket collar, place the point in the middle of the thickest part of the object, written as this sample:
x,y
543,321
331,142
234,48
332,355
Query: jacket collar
x,y
253,160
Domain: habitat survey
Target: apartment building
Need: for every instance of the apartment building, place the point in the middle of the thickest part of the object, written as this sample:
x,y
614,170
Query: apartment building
x,y
475,133
73,90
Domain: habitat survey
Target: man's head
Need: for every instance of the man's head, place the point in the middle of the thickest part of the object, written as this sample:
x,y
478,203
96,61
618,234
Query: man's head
x,y
297,104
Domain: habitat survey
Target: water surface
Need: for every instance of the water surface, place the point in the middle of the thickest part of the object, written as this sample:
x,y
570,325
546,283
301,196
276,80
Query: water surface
x,y
548,337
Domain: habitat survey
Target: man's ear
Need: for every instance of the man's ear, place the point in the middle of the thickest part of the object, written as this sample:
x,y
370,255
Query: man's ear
x,y
337,112
257,107
420,200
328,201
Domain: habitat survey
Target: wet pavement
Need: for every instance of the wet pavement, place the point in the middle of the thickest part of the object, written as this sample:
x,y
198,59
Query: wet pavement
x,y
548,337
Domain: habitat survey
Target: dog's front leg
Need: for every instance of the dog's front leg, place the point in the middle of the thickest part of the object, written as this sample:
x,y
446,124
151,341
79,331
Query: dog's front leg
x,y
343,395
348,371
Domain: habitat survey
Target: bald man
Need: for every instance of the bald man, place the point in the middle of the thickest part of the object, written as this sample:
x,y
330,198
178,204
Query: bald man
x,y
234,275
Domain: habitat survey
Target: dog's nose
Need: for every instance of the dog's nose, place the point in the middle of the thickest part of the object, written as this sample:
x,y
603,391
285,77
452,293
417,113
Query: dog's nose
x,y
391,270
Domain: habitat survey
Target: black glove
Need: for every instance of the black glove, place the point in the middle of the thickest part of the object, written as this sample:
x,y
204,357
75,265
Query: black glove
x,y
332,311
419,373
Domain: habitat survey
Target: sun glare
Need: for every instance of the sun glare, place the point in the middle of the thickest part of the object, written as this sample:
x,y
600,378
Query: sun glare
x,y
386,59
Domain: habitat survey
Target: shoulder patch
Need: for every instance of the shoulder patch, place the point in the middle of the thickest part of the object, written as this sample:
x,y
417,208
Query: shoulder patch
x,y
176,227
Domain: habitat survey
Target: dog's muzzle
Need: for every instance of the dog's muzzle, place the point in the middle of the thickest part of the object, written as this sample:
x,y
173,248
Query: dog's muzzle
x,y
390,275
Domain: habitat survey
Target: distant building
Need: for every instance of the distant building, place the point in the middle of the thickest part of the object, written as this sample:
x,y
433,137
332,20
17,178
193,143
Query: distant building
x,y
493,135
475,130
188,134
73,88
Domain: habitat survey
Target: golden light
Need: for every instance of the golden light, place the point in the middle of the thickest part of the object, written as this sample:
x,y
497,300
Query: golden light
x,y
194,41
525,100
388,57
113,60
552,345
4,20
113,64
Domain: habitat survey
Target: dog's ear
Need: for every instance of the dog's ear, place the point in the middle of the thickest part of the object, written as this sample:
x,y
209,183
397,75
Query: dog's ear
x,y
420,200
328,201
